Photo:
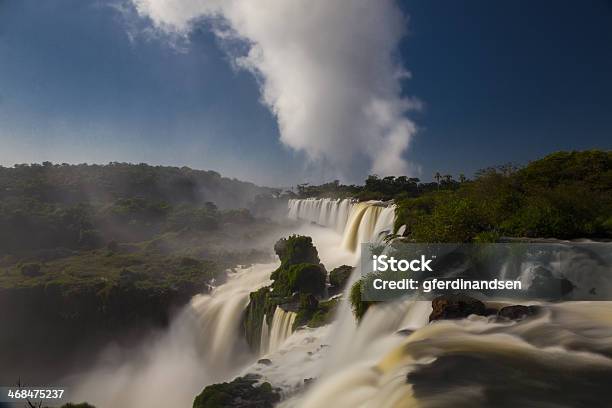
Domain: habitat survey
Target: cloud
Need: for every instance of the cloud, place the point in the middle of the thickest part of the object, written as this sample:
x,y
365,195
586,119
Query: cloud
x,y
327,71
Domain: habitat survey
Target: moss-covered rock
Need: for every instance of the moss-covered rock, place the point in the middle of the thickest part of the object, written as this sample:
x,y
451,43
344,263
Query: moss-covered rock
x,y
296,249
306,278
253,317
359,306
338,278
242,392
313,314
300,277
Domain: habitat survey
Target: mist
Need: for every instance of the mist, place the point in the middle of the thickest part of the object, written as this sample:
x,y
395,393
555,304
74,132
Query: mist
x,y
327,72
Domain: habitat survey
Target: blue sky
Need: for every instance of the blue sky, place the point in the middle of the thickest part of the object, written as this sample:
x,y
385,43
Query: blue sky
x,y
499,81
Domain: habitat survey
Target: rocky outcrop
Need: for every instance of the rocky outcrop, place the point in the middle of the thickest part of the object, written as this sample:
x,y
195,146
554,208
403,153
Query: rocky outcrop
x,y
314,313
242,392
545,285
338,278
296,249
299,285
456,306
518,312
459,306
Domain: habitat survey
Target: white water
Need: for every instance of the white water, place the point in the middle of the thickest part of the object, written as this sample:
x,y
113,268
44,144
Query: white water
x,y
280,330
363,365
358,222
203,345
367,365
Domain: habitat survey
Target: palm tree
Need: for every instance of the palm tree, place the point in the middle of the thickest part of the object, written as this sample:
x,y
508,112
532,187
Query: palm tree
x,y
438,176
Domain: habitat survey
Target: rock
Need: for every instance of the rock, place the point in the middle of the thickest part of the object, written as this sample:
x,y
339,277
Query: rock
x,y
240,393
339,276
456,306
306,278
404,332
296,249
308,381
490,311
518,312
545,285
264,361
318,316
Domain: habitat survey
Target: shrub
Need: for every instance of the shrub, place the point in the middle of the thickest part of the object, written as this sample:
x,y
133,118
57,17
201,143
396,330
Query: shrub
x,y
339,276
306,278
31,270
359,306
295,250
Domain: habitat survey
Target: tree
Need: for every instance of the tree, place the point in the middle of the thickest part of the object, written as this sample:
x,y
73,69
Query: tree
x,y
438,176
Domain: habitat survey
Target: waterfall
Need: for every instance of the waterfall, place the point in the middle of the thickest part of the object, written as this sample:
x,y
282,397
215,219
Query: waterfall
x,y
358,222
204,344
281,328
449,359
264,342
375,363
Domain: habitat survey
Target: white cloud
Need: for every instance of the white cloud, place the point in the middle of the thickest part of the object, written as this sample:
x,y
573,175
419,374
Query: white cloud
x,y
327,72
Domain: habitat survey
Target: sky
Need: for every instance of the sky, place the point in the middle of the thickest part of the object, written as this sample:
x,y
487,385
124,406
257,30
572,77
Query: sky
x,y
281,92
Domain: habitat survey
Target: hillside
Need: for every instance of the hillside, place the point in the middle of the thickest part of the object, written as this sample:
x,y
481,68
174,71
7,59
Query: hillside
x,y
94,254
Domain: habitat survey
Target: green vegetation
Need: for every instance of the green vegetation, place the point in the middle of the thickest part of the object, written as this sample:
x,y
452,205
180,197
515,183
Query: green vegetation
x,y
85,206
313,313
376,188
360,307
296,249
339,276
299,285
241,392
564,195
305,278
91,253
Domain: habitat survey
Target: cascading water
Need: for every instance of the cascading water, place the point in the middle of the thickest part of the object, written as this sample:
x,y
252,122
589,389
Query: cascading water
x,y
280,330
357,222
393,358
560,359
203,345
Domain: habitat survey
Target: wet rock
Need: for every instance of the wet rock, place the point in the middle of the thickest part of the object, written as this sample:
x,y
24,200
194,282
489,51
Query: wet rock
x,y
404,332
296,249
490,311
518,312
308,381
264,361
545,285
338,278
456,306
